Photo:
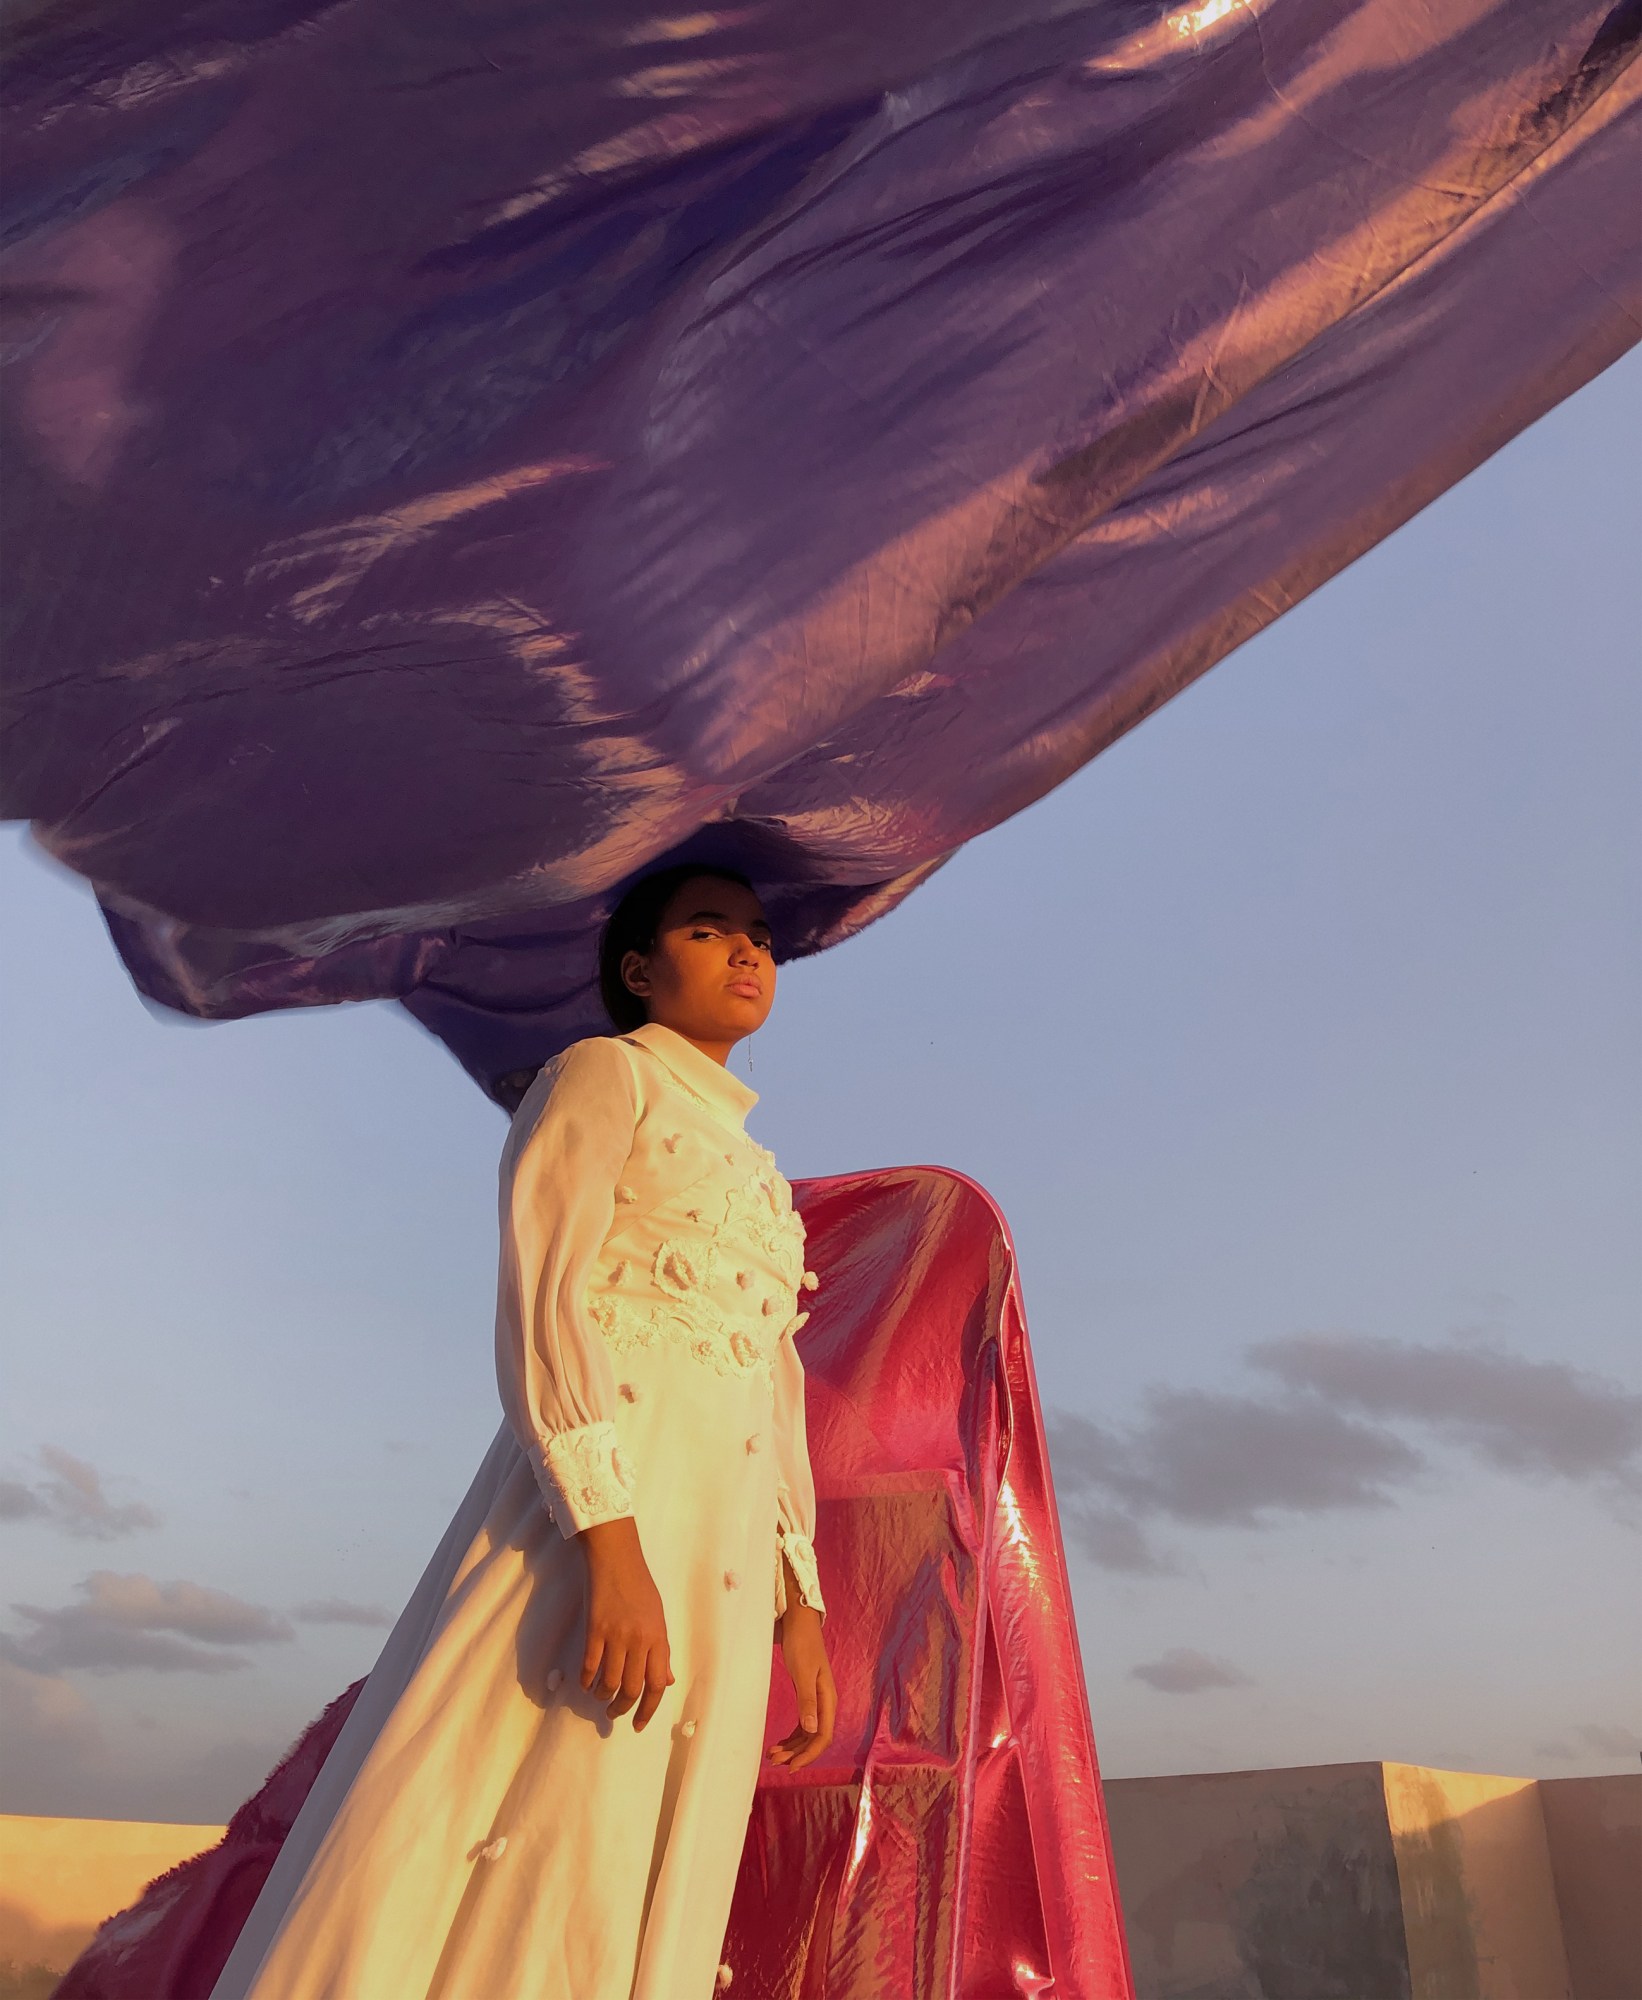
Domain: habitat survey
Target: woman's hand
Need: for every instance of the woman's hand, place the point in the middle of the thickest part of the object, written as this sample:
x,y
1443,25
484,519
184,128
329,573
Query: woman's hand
x,y
805,1653
626,1627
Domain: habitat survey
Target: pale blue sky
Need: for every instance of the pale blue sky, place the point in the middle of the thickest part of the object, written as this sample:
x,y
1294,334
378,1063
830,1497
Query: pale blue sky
x,y
1312,1008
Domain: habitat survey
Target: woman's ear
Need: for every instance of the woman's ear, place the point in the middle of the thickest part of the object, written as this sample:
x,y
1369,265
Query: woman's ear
x,y
635,972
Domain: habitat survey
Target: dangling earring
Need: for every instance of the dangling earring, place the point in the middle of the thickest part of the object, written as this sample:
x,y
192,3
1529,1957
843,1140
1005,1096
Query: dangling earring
x,y
749,1055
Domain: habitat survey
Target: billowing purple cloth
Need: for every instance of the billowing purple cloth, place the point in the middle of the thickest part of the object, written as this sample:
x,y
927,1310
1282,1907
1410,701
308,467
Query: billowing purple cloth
x,y
460,451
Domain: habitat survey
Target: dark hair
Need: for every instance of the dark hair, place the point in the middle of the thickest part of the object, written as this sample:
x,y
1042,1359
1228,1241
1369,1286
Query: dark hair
x,y
632,926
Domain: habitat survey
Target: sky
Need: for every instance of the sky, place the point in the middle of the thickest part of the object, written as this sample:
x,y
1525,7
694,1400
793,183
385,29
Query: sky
x,y
1300,1039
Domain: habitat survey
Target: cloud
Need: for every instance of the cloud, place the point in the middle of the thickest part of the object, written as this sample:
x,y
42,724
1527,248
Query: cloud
x,y
19,1502
1590,1739
1328,1434
1116,1541
1204,1456
340,1611
1210,1459
124,1623
1182,1671
1608,1740
71,1497
1541,1419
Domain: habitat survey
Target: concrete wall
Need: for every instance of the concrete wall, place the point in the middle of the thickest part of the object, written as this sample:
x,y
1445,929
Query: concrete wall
x,y
59,1879
1380,1882
1593,1827
1261,1885
1479,1906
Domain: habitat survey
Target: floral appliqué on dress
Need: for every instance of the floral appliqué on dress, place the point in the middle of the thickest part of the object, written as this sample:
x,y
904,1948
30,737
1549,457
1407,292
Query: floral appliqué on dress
x,y
728,1271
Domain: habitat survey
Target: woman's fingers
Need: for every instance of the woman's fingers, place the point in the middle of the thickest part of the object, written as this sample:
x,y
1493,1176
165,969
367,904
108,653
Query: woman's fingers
x,y
592,1656
611,1674
630,1686
625,1673
802,1747
658,1678
625,1660
817,1695
604,1664
819,1736
784,1751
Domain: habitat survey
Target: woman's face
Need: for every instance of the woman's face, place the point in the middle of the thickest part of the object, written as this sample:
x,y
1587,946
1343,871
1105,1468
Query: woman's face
x,y
710,975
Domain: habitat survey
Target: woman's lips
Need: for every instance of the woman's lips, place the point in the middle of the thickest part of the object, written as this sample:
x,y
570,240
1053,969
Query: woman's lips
x,y
749,989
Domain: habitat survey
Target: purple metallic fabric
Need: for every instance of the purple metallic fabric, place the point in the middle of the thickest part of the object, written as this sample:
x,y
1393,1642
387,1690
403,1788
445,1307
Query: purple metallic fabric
x,y
952,1844
460,452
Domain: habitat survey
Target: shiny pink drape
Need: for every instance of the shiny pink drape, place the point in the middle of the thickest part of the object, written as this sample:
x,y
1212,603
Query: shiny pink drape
x,y
952,1844
952,1841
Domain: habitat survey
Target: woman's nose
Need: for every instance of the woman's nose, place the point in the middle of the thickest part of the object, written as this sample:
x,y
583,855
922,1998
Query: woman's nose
x,y
742,949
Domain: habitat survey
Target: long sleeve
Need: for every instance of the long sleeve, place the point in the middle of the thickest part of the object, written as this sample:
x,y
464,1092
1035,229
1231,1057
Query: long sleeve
x,y
561,1177
795,1483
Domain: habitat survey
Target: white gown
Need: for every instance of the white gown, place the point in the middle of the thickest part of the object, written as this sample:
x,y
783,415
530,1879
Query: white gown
x,y
481,1830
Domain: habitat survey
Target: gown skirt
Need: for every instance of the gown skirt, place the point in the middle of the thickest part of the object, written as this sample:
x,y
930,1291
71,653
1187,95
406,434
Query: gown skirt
x,y
531,1843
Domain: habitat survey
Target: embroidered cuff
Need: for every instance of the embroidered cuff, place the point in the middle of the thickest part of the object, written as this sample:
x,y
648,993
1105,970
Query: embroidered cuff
x,y
799,1551
583,1477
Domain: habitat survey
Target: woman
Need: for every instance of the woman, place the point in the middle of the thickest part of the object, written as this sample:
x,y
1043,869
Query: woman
x,y
543,1789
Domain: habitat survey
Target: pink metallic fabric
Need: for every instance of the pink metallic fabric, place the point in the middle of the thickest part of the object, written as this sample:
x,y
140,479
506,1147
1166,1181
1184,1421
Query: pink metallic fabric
x,y
952,1844
952,1841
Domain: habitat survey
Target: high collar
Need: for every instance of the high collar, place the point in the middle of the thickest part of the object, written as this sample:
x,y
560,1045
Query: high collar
x,y
722,1093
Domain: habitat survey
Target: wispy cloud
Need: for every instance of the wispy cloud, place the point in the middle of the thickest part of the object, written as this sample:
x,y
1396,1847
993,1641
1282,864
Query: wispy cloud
x,y
1540,1419
1182,1671
122,1623
1598,1739
1203,1456
341,1611
71,1497
1327,1434
1111,1538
